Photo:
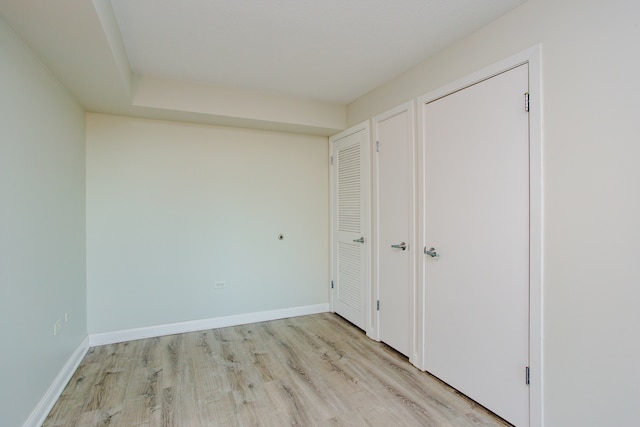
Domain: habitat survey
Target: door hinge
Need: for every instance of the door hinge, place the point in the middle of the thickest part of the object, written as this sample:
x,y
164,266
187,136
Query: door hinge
x,y
526,379
378,305
332,284
331,160
526,101
377,146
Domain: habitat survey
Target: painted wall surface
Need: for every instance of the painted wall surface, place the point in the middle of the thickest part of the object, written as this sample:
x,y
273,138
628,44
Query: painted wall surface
x,y
42,228
173,208
591,175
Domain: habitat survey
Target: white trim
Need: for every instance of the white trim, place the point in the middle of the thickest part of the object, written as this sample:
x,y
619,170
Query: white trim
x,y
41,411
350,131
331,223
532,57
523,57
203,324
536,266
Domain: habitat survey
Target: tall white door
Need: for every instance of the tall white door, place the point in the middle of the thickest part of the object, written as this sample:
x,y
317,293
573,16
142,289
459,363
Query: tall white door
x,y
393,221
350,224
476,229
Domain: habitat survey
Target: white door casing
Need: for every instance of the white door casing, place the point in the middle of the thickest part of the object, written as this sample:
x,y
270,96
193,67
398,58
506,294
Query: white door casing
x,y
476,216
532,57
393,154
350,212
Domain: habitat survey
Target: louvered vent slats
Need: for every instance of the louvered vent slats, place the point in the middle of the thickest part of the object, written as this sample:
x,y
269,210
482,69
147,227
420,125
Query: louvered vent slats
x,y
349,274
349,189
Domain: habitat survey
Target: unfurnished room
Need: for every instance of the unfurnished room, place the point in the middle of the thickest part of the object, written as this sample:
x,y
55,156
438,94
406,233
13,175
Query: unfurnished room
x,y
314,213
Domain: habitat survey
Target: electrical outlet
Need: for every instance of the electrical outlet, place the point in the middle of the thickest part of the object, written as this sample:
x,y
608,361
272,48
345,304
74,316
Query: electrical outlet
x,y
56,327
67,317
220,284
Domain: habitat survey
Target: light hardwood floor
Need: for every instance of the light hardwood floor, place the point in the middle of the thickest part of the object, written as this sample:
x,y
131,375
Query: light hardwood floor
x,y
314,370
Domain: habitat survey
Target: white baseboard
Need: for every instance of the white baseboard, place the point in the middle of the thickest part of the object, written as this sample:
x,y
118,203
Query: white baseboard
x,y
49,399
199,325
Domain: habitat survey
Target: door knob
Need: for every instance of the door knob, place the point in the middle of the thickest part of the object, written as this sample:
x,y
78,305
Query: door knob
x,y
360,240
431,252
402,246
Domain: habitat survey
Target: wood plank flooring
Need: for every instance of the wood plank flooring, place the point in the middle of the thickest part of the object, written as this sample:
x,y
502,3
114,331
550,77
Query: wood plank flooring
x,y
314,370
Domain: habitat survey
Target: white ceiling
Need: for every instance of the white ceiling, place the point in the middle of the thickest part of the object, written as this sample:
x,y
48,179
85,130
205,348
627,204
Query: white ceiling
x,y
332,50
313,51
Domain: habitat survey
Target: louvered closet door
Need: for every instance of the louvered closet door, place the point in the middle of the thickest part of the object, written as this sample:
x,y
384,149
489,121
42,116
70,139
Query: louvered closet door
x,y
350,224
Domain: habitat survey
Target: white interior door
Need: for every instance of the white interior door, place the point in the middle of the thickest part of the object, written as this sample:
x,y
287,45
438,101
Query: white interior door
x,y
350,224
394,218
476,216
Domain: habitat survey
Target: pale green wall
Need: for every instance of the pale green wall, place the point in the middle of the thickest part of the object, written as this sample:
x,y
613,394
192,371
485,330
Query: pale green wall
x,y
42,228
174,207
591,173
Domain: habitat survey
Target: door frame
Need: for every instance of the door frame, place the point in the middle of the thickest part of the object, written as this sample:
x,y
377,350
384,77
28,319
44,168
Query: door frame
x,y
408,107
532,57
366,219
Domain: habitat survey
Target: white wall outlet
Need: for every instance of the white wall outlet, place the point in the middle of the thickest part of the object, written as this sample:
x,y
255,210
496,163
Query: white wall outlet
x,y
67,317
56,327
219,284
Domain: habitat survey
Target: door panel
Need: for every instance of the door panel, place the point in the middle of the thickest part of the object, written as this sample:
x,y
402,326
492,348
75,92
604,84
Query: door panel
x,y
350,224
476,216
394,189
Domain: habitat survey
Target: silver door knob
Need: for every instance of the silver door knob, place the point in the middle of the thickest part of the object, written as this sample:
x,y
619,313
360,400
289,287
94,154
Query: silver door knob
x,y
431,252
360,240
402,246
